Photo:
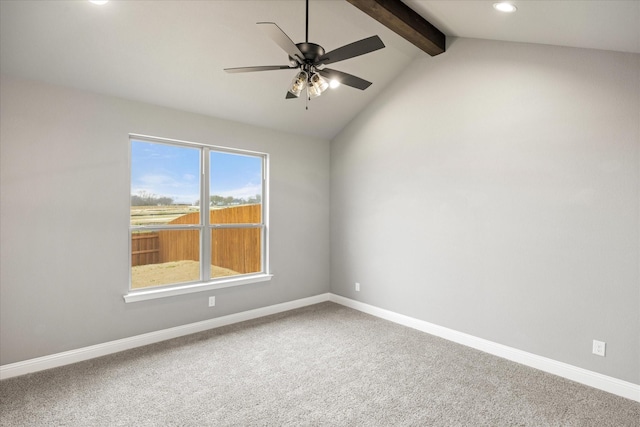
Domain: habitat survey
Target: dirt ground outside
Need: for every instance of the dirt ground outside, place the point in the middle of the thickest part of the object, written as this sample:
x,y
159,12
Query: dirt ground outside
x,y
144,276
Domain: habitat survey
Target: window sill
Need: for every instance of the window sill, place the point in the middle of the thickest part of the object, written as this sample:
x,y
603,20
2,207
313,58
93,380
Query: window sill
x,y
147,294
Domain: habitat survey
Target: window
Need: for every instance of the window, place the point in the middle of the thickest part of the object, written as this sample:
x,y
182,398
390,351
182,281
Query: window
x,y
191,202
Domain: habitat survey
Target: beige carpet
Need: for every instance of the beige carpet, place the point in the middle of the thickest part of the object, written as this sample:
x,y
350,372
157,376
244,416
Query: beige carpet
x,y
324,365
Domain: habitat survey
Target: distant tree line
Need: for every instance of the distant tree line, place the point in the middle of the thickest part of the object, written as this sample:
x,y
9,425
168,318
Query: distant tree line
x,y
231,201
144,198
147,199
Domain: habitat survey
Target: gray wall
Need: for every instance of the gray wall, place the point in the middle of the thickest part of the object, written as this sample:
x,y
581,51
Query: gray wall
x,y
495,190
64,218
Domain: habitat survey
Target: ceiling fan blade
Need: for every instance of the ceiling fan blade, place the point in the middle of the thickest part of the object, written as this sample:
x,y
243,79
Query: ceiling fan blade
x,y
290,95
259,68
351,50
277,35
345,78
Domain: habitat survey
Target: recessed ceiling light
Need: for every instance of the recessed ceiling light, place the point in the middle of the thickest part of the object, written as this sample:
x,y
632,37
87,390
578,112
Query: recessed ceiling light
x,y
505,7
100,2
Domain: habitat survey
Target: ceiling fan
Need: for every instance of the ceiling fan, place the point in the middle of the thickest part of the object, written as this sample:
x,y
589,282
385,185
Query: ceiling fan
x,y
311,59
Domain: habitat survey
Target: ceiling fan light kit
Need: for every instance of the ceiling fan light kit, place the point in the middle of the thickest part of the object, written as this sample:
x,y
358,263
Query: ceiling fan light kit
x,y
311,59
299,83
316,85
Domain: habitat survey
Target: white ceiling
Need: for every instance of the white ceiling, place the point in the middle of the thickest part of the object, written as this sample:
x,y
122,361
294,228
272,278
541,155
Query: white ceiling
x,y
604,24
172,53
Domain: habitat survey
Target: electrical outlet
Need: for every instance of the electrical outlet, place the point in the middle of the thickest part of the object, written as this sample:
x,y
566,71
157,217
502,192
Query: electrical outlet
x,y
357,287
212,301
599,347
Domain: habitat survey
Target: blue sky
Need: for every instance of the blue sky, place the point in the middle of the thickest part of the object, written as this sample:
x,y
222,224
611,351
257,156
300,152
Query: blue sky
x,y
173,171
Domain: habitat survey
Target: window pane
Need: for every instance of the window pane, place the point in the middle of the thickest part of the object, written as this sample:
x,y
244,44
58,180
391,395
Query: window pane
x,y
165,184
235,251
164,257
236,188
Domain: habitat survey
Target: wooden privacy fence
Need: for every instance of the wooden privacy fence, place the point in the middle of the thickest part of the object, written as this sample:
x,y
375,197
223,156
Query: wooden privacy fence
x,y
237,249
145,249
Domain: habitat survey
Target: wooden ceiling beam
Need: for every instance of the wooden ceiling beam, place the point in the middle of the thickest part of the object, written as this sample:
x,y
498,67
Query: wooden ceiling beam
x,y
403,20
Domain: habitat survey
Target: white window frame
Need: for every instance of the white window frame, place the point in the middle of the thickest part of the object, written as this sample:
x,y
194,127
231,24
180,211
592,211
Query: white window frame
x,y
205,283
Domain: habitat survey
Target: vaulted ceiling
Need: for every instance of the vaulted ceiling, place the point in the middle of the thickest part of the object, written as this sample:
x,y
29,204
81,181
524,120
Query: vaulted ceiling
x,y
172,53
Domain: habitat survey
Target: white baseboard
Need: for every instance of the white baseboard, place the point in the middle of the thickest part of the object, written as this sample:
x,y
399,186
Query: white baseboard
x,y
583,376
86,353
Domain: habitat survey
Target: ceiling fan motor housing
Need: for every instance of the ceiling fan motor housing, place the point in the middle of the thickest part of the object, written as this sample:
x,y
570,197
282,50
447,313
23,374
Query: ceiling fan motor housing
x,y
311,51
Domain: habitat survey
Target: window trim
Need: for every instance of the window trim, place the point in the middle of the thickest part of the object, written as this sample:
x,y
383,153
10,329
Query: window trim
x,y
182,289
205,228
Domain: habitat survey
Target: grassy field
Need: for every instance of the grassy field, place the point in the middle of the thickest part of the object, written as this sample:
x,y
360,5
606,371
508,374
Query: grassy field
x,y
157,215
